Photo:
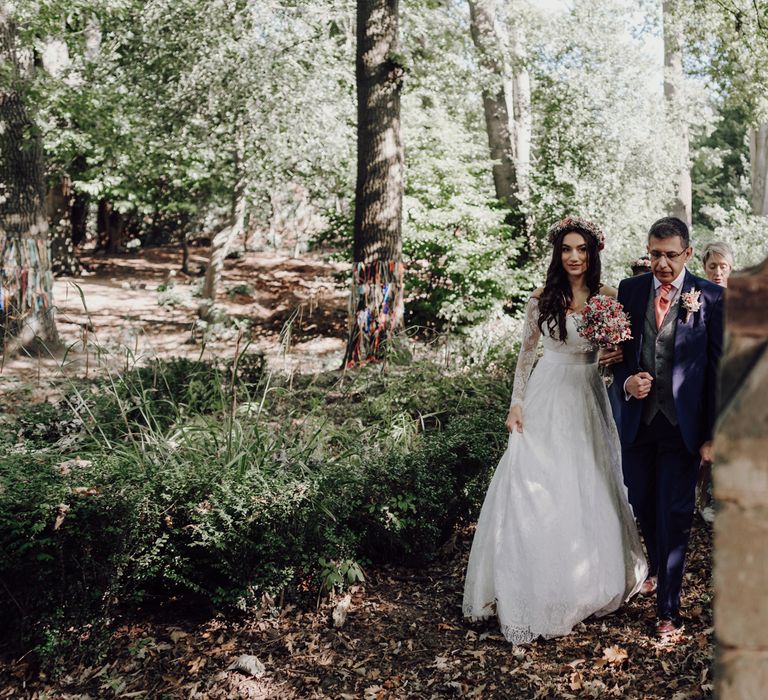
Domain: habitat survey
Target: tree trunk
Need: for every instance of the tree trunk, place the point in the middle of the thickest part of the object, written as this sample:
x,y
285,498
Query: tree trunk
x,y
185,253
376,300
115,230
26,282
741,516
498,99
78,216
681,205
523,115
93,38
222,241
59,206
110,227
102,225
758,158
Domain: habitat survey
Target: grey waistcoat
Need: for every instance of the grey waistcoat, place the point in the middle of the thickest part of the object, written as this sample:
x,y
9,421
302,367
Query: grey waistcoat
x,y
657,357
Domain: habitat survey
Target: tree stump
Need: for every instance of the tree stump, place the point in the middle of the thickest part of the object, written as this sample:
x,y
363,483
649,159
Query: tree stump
x,y
741,489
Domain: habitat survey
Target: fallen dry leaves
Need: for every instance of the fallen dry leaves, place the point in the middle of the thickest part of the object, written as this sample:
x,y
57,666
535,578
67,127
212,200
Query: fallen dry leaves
x,y
615,655
401,636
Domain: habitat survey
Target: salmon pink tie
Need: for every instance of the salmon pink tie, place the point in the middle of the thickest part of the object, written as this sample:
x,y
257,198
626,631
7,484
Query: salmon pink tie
x,y
662,304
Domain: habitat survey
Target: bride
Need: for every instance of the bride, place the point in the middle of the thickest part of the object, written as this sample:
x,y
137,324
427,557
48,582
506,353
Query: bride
x,y
556,540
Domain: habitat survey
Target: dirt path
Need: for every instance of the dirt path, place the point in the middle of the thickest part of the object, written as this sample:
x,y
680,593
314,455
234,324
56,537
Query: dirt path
x,y
130,307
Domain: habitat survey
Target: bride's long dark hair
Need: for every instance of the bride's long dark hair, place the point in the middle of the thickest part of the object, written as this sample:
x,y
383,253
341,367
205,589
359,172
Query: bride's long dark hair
x,y
557,295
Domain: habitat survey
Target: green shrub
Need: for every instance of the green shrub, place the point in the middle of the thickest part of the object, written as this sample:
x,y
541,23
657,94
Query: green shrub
x,y
165,392
191,483
63,539
415,498
45,423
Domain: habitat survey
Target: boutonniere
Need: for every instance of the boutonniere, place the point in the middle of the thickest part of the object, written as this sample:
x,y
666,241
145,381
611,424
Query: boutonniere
x,y
691,303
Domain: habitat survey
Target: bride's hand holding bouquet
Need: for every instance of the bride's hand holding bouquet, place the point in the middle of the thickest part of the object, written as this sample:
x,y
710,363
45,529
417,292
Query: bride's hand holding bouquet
x,y
605,325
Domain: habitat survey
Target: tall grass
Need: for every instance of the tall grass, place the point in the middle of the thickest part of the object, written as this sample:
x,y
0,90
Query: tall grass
x,y
228,482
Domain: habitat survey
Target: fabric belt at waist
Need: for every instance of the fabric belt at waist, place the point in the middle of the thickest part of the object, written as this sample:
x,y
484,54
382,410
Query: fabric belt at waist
x,y
570,358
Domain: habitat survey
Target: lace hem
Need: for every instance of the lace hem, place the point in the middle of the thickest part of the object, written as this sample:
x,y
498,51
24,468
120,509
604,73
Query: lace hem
x,y
514,634
488,610
517,635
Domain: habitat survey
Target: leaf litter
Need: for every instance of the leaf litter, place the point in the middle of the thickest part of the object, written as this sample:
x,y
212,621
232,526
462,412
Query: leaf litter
x,y
401,635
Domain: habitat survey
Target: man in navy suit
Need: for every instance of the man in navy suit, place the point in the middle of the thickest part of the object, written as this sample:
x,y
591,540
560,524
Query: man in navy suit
x,y
669,376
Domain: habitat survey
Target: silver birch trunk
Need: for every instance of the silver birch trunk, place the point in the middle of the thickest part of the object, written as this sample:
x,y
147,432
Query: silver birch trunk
x,y
58,201
498,98
681,204
758,158
222,241
523,116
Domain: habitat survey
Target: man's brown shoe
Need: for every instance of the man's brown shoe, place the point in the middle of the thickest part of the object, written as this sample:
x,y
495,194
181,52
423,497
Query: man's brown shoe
x,y
667,628
649,586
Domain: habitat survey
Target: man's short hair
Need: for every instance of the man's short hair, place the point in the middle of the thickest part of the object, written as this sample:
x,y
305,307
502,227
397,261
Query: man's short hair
x,y
668,227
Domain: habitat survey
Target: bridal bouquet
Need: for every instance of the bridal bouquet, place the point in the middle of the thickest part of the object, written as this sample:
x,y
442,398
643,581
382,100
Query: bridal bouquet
x,y
604,323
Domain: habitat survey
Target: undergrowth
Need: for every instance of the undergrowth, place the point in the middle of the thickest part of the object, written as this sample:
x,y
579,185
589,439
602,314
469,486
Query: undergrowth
x,y
233,485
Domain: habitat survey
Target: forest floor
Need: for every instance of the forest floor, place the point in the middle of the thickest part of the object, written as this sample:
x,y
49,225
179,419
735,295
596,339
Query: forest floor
x,y
131,307
401,634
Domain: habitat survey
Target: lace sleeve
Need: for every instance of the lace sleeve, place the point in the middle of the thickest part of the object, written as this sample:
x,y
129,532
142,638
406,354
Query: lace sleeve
x,y
527,357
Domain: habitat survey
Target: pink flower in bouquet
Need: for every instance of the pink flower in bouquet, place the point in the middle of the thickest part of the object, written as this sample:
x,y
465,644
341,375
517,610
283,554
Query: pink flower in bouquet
x,y
604,322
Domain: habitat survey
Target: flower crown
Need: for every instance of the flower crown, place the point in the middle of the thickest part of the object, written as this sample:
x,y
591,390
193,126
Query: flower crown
x,y
642,261
577,225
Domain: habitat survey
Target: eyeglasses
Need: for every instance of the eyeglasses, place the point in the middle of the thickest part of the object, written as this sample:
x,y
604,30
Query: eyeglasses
x,y
658,255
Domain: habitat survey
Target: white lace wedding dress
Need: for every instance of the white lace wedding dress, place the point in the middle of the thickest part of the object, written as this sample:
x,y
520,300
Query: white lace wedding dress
x,y
556,540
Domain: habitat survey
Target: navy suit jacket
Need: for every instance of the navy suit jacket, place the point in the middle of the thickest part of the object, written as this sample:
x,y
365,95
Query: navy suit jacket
x,y
698,348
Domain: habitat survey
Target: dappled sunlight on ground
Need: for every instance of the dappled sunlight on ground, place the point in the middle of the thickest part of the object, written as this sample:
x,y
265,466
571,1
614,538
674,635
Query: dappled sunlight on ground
x,y
131,307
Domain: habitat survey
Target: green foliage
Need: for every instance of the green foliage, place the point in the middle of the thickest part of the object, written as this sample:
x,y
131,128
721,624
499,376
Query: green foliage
x,y
337,236
731,52
160,107
721,163
188,482
145,102
461,256
46,423
54,573
601,130
243,288
416,496
160,394
730,44
339,574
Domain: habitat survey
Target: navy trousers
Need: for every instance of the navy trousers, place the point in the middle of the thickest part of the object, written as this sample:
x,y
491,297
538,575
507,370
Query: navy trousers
x,y
660,474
